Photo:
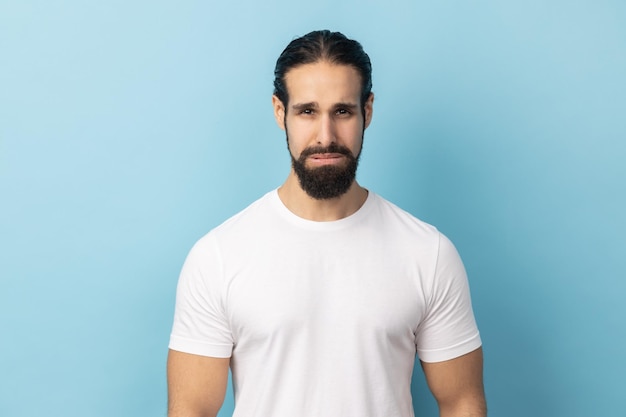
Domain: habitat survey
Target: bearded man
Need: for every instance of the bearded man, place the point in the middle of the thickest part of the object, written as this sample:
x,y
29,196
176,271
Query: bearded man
x,y
320,295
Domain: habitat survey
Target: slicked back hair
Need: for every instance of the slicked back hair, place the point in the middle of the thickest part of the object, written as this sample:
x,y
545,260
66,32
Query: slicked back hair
x,y
323,45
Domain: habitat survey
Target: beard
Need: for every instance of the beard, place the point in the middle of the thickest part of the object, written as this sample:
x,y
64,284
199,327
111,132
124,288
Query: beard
x,y
325,182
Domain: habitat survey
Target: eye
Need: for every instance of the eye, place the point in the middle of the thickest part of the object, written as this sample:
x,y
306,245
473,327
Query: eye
x,y
306,111
343,112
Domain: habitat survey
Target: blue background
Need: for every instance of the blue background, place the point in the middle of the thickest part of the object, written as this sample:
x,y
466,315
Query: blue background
x,y
129,129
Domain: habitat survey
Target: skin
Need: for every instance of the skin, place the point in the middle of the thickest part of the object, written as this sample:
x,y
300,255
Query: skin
x,y
196,385
324,107
457,385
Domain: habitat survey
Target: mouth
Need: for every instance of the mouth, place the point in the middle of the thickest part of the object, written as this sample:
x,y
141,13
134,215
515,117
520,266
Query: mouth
x,y
326,158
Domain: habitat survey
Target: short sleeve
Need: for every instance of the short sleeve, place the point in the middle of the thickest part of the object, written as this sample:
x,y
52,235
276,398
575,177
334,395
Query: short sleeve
x,y
200,324
449,329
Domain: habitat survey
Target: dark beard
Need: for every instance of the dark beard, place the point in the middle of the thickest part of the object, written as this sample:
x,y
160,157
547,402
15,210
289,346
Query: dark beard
x,y
325,182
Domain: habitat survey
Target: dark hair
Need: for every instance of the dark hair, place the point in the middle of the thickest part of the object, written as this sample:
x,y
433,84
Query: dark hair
x,y
323,45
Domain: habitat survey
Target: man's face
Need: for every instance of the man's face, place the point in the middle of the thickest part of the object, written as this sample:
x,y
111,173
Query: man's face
x,y
324,123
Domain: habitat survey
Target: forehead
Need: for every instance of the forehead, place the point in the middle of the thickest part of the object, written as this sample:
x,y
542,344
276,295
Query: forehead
x,y
323,81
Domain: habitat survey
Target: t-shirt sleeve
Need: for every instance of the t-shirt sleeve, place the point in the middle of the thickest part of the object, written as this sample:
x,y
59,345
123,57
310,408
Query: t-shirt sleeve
x,y
200,322
449,329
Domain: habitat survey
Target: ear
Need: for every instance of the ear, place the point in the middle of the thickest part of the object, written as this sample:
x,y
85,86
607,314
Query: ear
x,y
279,111
369,110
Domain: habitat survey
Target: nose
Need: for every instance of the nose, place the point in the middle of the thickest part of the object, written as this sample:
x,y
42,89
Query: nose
x,y
326,134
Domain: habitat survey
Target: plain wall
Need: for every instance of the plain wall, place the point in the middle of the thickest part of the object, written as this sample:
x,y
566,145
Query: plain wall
x,y
130,129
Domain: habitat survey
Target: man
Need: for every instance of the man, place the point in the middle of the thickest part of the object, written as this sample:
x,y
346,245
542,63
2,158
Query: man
x,y
320,294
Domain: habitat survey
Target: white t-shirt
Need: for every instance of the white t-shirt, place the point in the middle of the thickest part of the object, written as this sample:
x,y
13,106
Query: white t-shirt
x,y
324,318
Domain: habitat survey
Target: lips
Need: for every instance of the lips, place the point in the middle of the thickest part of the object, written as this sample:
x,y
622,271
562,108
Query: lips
x,y
326,159
323,156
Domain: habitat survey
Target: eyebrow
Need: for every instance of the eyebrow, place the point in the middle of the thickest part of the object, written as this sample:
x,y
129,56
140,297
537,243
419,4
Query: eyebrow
x,y
314,105
349,106
304,106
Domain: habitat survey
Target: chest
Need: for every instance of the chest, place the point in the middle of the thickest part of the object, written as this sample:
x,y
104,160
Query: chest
x,y
325,292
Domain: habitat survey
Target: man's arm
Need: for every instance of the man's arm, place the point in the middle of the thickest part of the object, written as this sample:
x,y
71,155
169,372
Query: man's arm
x,y
196,385
457,385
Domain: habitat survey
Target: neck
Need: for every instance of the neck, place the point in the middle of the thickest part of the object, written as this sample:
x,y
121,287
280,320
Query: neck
x,y
307,207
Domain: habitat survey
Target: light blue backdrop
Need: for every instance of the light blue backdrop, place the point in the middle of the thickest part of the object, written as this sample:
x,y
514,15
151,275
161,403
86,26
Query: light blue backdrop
x,y
129,129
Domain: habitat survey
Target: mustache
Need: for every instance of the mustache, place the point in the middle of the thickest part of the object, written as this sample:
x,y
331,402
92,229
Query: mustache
x,y
332,148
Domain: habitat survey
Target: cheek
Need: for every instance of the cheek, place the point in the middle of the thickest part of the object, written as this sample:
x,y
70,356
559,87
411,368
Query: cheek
x,y
352,133
299,132
295,142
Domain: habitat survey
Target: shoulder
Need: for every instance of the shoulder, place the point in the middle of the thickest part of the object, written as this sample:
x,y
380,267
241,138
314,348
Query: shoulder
x,y
239,228
251,215
207,252
401,221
